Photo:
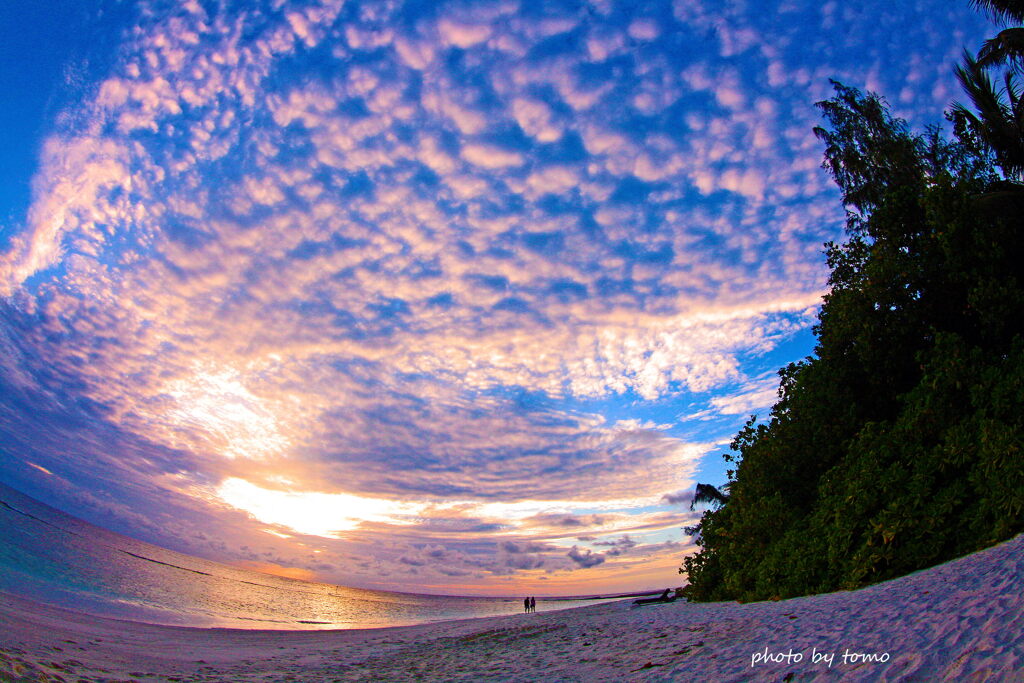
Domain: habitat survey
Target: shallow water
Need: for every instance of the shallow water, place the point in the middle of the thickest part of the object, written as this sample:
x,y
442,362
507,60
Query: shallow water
x,y
53,558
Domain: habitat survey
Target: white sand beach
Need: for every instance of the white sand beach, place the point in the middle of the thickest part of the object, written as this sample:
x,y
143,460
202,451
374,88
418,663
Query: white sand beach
x,y
962,621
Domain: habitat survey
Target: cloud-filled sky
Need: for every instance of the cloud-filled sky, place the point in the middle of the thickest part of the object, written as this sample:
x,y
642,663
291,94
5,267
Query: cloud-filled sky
x,y
451,297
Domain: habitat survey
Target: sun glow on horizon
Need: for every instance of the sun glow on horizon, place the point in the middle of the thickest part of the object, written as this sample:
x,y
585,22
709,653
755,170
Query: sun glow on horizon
x,y
327,514
315,514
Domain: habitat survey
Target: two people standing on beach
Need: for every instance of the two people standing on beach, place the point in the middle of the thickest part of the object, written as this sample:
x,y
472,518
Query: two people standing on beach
x,y
529,604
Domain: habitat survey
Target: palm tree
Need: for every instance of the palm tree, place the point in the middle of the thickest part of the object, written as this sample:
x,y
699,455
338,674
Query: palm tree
x,y
1008,46
1002,11
999,122
706,493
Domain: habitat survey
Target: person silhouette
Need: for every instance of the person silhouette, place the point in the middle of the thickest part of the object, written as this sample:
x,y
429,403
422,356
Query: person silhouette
x,y
526,604
533,604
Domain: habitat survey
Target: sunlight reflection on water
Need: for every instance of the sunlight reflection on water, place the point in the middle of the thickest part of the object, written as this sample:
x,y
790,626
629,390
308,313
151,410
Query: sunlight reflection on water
x,y
56,559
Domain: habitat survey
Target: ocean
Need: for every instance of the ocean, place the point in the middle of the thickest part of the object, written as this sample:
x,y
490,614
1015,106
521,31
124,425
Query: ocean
x,y
53,558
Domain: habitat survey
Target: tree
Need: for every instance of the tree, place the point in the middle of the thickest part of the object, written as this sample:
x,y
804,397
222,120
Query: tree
x,y
999,122
867,151
897,444
1007,47
1001,11
707,493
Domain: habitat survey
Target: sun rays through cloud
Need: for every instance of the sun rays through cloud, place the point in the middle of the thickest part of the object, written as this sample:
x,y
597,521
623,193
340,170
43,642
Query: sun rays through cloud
x,y
219,405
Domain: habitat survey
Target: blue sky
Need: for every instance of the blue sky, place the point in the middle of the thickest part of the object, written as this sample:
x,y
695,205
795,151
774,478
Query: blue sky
x,y
457,297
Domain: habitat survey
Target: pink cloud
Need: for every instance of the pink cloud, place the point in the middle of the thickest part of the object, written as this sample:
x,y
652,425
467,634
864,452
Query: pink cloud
x,y
462,35
488,156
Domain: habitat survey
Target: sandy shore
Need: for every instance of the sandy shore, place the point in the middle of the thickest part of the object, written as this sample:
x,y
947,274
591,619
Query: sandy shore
x,y
961,621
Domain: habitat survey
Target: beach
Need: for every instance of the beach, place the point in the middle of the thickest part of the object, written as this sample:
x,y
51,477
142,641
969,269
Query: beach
x,y
963,620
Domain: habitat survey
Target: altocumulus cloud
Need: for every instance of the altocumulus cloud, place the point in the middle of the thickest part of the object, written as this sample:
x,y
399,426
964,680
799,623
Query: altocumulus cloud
x,y
314,256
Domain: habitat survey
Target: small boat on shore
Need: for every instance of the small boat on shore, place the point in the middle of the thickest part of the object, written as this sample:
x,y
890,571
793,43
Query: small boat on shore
x,y
664,597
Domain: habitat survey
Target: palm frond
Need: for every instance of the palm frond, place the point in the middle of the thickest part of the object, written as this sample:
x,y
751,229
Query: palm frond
x,y
1002,11
1006,47
706,493
1012,94
999,118
978,86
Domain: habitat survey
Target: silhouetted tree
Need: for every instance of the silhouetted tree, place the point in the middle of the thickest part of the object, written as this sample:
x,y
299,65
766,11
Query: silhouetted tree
x,y
999,122
1002,11
707,493
898,443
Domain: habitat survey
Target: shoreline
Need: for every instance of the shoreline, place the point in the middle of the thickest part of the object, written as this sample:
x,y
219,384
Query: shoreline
x,y
956,621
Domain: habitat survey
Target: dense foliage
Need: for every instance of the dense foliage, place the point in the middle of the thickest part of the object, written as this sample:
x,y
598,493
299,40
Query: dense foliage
x,y
898,444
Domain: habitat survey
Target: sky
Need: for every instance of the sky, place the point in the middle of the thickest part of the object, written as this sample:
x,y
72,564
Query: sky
x,y
439,297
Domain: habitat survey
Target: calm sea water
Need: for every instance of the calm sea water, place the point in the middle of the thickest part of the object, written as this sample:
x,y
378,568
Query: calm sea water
x,y
53,558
